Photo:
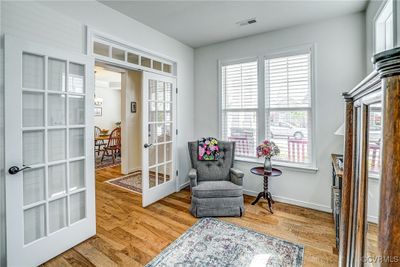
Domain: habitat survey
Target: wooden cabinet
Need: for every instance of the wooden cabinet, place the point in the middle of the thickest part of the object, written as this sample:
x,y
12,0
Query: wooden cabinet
x,y
379,91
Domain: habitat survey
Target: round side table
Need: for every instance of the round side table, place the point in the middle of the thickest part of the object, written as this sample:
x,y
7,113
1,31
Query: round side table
x,y
265,194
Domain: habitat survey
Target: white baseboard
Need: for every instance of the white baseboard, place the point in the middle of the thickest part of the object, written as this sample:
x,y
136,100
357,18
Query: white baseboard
x,y
185,184
293,201
372,219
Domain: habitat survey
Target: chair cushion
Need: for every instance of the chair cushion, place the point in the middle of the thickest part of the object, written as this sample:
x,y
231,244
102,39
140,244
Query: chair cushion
x,y
217,189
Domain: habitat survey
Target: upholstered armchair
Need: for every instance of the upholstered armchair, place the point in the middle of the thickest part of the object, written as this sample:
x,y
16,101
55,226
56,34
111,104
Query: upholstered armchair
x,y
216,187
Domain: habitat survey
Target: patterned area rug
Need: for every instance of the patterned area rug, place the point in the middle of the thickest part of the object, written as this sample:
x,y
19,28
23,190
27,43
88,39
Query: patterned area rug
x,y
107,162
131,182
211,242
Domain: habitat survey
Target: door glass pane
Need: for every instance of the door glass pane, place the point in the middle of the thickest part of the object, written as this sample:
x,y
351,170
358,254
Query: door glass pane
x,y
152,155
57,180
160,153
160,91
56,75
168,151
168,91
168,111
160,112
168,172
33,147
76,80
152,133
152,177
152,112
76,142
168,132
32,109
56,145
33,185
77,207
152,89
32,71
76,174
57,214
161,174
56,109
34,223
160,132
76,110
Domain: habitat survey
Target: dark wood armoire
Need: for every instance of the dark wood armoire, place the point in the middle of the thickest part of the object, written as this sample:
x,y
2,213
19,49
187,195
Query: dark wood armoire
x,y
378,93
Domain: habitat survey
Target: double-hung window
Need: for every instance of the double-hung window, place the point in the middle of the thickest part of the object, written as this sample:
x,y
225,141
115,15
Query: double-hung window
x,y
270,98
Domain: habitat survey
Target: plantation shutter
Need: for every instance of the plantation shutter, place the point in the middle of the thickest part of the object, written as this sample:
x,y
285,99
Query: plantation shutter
x,y
239,106
288,105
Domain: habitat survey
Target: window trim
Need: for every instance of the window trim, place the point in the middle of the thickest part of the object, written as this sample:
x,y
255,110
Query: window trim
x,y
395,7
261,134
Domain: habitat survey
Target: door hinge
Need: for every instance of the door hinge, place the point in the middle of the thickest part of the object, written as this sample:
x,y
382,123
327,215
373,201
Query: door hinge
x,y
177,172
177,90
176,131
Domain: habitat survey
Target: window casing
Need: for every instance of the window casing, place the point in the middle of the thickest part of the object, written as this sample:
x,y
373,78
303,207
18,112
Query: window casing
x,y
270,97
384,28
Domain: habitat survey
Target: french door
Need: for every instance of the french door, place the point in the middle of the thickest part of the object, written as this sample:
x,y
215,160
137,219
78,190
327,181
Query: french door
x,y
48,151
159,137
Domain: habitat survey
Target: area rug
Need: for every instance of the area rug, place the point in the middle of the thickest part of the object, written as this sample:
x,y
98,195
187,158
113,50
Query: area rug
x,y
132,181
107,162
211,242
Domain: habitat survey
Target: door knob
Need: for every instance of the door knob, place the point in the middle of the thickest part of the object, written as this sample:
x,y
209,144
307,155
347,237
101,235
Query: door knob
x,y
147,145
16,169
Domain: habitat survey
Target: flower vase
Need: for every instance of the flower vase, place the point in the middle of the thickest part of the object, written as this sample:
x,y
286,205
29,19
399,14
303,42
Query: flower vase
x,y
267,165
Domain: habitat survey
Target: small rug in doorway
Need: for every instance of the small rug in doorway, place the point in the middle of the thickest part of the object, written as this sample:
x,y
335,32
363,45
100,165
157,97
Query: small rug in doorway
x,y
132,181
212,242
107,162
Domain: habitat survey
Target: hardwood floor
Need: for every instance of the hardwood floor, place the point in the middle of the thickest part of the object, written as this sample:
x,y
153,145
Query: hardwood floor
x,y
129,235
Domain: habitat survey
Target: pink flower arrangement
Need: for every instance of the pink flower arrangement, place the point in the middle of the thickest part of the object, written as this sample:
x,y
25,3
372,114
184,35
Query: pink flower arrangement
x,y
267,149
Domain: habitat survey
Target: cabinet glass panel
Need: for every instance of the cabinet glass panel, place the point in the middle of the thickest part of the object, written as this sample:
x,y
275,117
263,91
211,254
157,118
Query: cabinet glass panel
x,y
33,147
76,78
57,214
56,75
56,145
34,224
76,110
76,175
32,109
56,109
32,71
77,207
57,180
34,186
76,142
118,54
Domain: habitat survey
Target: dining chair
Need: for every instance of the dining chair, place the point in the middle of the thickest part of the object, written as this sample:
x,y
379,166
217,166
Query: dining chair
x,y
113,147
98,144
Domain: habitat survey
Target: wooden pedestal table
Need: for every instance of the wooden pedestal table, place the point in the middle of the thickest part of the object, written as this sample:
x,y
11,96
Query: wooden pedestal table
x,y
265,194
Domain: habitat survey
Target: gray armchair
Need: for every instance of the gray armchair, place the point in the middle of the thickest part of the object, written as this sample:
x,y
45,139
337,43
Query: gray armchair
x,y
216,186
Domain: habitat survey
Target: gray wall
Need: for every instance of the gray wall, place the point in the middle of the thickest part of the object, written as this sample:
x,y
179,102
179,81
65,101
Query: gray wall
x,y
340,65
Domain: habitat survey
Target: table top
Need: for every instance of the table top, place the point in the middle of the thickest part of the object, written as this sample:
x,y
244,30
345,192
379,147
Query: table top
x,y
260,171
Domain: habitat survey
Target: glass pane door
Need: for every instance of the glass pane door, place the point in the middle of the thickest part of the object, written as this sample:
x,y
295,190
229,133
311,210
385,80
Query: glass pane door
x,y
159,135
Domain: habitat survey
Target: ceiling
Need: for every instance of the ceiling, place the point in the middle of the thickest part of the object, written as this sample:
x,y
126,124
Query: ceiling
x,y
107,79
200,23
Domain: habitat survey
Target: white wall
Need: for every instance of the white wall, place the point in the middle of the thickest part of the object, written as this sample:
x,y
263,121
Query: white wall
x,y
111,108
2,181
61,24
340,65
131,127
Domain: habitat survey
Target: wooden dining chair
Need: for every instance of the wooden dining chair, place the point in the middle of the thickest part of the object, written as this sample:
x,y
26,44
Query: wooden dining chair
x,y
113,147
98,144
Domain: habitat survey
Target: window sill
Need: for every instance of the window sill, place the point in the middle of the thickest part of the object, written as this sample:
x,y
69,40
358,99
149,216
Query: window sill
x,y
288,166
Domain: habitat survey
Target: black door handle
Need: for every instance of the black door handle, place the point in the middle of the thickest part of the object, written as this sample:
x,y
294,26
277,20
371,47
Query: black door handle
x,y
147,145
16,169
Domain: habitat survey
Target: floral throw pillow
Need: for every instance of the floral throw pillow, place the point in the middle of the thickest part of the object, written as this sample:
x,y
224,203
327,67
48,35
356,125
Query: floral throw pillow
x,y
208,149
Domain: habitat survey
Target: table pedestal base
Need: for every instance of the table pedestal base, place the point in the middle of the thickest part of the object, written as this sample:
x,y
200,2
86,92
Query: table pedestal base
x,y
266,195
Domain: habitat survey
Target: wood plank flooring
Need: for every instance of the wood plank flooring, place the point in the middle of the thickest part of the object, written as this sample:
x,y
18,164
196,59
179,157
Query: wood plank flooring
x,y
129,235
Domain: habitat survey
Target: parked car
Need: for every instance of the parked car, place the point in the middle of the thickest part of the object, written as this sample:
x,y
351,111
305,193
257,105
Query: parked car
x,y
287,129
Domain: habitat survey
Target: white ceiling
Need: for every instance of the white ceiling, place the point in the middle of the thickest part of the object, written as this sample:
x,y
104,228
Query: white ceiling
x,y
200,23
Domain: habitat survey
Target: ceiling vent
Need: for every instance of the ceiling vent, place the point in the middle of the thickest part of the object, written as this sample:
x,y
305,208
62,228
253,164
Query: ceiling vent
x,y
246,22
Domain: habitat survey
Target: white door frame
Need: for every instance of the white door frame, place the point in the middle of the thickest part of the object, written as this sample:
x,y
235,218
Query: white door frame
x,y
61,240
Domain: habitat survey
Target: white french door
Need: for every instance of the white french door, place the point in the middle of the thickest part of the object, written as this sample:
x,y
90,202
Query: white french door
x,y
159,137
50,204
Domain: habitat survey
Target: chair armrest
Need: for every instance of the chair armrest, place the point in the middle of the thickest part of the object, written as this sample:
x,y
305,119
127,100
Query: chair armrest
x,y
236,176
193,177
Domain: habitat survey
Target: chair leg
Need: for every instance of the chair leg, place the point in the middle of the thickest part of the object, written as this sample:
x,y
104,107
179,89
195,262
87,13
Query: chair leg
x,y
113,156
104,152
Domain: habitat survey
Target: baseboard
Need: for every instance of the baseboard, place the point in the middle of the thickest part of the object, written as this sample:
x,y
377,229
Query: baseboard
x,y
293,202
185,184
372,219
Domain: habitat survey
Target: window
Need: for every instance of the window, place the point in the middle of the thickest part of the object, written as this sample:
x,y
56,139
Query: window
x,y
284,113
239,106
384,34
